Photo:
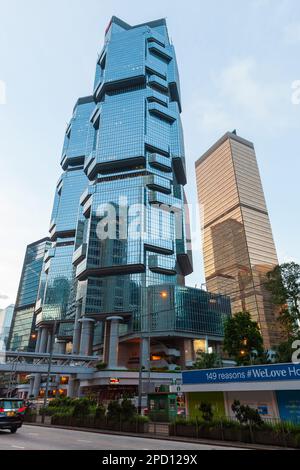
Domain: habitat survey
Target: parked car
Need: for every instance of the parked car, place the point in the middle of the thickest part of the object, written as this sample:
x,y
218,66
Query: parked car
x,y
11,413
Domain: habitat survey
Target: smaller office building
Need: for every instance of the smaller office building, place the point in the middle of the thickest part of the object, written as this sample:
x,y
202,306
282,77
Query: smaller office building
x,y
274,390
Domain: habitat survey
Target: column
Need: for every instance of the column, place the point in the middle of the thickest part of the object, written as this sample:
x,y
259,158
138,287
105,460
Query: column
x,y
145,353
49,342
44,339
73,387
77,330
113,349
38,341
61,346
43,333
31,386
87,336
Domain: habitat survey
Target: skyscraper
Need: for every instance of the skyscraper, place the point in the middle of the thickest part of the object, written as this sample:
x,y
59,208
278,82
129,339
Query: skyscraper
x,y
120,244
6,317
238,244
23,320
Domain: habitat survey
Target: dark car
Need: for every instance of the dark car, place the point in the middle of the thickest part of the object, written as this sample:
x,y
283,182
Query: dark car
x,y
11,413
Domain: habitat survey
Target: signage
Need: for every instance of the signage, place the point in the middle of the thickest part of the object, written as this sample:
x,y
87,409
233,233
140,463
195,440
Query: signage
x,y
114,381
267,373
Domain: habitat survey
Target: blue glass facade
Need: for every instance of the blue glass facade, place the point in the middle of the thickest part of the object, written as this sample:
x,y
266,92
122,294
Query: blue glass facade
x,y
23,323
124,174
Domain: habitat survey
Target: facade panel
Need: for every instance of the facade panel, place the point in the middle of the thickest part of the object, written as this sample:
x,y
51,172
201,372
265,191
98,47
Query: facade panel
x,y
238,243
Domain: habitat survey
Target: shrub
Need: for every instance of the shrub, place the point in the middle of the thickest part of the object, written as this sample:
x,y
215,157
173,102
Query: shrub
x,y
141,419
101,366
128,410
114,411
100,412
62,402
82,407
246,415
206,411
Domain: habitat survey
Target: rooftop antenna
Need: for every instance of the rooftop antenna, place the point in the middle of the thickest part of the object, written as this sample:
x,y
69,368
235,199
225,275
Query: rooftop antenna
x,y
234,132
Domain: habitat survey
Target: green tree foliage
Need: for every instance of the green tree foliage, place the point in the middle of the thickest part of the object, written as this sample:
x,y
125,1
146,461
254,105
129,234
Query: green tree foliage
x,y
82,407
207,361
283,282
242,338
206,412
246,415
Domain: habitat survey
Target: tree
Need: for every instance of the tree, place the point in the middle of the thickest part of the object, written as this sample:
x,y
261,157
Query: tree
x,y
207,361
242,338
114,411
283,282
246,415
206,411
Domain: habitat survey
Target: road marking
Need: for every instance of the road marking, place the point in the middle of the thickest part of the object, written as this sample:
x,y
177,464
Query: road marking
x,y
18,447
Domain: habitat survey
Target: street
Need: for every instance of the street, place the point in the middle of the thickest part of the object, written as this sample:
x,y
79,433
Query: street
x,y
40,438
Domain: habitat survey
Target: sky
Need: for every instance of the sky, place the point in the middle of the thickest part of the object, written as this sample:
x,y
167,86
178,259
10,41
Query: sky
x,y
239,69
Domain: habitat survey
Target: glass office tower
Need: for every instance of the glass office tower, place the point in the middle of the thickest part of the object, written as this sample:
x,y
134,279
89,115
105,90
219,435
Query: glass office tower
x,y
22,332
238,244
120,247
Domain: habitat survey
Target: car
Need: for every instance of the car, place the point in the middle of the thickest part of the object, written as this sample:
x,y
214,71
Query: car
x,y
12,412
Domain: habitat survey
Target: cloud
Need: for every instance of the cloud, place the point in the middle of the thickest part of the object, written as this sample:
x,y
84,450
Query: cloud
x,y
292,33
244,94
3,297
239,84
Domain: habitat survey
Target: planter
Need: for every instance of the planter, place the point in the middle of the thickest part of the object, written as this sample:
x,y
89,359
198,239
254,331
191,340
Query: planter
x,y
186,430
30,418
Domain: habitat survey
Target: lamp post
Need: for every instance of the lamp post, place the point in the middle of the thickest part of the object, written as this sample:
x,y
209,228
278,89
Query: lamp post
x,y
146,334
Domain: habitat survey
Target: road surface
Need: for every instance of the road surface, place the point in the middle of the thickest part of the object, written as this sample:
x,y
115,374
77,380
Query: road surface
x,y
40,438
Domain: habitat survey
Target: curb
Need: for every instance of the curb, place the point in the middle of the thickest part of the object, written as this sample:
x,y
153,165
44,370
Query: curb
x,y
228,444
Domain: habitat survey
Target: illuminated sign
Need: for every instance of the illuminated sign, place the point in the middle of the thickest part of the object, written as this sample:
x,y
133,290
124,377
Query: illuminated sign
x,y
114,381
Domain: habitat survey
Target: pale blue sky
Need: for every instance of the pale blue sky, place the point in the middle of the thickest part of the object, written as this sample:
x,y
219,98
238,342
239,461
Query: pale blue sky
x,y
237,61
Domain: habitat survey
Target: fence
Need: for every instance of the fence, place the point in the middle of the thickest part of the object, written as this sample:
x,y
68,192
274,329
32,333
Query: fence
x,y
273,432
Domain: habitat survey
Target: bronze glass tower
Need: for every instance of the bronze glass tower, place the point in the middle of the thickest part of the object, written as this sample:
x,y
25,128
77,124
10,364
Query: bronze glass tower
x,y
237,237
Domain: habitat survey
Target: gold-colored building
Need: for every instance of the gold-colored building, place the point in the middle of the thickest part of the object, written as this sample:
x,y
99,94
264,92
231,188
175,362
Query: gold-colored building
x,y
238,243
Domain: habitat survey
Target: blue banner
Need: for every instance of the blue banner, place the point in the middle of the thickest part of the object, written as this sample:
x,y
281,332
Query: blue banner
x,y
267,373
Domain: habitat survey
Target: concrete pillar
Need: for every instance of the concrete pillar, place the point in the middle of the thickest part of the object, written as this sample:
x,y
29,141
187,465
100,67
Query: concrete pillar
x,y
145,353
38,341
31,385
113,349
43,343
49,342
36,385
77,330
44,339
87,336
61,346
73,387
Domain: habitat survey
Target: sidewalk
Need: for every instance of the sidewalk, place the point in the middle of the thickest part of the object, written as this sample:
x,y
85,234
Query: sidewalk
x,y
229,444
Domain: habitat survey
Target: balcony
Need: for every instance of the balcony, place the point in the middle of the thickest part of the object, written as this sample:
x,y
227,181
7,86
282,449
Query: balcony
x,y
173,204
160,245
179,168
38,306
47,266
87,194
80,254
159,184
160,50
162,112
162,264
160,162
155,81
49,254
156,38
